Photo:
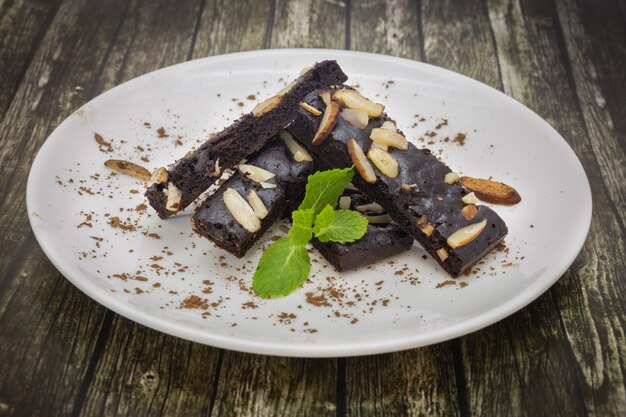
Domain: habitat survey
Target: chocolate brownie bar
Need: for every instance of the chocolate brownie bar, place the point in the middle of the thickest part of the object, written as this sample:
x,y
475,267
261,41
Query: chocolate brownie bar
x,y
382,239
174,189
410,184
215,218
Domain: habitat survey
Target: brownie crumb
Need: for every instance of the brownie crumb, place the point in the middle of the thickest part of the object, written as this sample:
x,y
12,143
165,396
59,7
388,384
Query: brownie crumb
x,y
446,283
161,132
460,138
193,301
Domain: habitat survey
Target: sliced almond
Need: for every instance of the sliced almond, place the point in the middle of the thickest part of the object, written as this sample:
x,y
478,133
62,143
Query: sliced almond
x,y
360,161
267,185
305,70
389,138
267,105
466,234
327,124
380,219
286,88
299,153
241,211
451,178
389,125
344,202
369,208
174,196
469,211
384,161
408,187
380,146
159,176
469,198
352,99
216,171
310,109
428,229
128,168
325,96
356,117
442,253
491,191
257,204
255,173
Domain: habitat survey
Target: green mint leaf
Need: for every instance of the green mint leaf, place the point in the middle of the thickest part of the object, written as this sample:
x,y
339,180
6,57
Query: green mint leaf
x,y
325,187
282,269
302,226
342,226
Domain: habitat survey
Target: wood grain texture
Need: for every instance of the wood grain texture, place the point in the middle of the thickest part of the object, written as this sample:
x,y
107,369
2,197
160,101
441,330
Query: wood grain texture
x,y
22,26
309,24
419,381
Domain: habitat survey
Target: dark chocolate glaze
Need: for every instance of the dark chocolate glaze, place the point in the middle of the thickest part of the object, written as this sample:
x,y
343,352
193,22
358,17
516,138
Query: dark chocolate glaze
x,y
213,220
194,174
439,202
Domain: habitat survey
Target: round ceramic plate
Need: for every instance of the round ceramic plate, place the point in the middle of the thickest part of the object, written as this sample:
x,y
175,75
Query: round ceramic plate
x,y
95,228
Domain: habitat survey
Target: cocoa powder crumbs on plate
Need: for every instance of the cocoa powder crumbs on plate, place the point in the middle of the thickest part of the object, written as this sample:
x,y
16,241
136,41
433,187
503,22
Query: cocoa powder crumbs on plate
x,y
193,302
251,97
460,138
446,283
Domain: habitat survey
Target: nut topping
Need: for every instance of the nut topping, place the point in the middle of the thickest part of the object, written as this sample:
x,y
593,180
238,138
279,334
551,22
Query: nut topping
x,y
267,185
428,229
491,191
299,153
257,204
451,178
356,117
241,210
389,138
442,253
469,198
217,172
384,161
255,173
286,88
380,219
310,109
173,197
369,208
159,176
466,234
408,187
327,124
352,99
267,105
360,161
344,202
389,125
469,211
128,168
325,96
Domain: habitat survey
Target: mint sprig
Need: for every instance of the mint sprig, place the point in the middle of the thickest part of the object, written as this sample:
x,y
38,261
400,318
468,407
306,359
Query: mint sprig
x,y
285,264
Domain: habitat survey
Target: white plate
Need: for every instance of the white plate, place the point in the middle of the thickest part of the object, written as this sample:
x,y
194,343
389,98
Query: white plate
x,y
504,140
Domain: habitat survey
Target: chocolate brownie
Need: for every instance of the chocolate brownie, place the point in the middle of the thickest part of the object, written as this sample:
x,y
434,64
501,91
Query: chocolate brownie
x,y
174,189
417,196
215,221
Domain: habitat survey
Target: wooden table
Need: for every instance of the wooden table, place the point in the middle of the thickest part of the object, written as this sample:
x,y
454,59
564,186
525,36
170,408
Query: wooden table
x,y
62,354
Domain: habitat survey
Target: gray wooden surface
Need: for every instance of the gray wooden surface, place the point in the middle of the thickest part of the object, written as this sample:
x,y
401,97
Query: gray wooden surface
x,y
61,354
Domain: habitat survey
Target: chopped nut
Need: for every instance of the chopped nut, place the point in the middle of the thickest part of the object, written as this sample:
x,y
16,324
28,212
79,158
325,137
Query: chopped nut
x,y
173,197
356,117
491,191
469,211
389,138
408,187
354,100
216,171
299,153
241,210
267,185
428,229
380,219
384,161
128,168
422,221
369,208
344,202
466,234
327,124
389,125
325,96
257,204
442,253
255,173
360,161
159,176
380,146
469,198
451,178
305,70
310,109
286,88
267,105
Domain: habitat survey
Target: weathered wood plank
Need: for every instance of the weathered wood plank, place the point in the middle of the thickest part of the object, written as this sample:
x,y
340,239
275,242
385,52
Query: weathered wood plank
x,y
594,36
419,381
309,24
22,26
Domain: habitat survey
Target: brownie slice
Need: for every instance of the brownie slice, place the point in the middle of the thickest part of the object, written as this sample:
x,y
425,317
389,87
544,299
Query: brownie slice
x,y
418,199
195,173
381,240
213,219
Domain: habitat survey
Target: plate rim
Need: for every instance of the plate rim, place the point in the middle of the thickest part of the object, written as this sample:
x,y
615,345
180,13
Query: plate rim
x,y
344,349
